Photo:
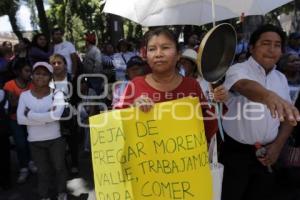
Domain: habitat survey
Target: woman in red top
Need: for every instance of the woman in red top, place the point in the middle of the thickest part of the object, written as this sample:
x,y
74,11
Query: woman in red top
x,y
165,83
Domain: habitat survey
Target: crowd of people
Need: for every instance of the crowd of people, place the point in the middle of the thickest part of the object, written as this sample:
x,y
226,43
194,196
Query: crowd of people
x,y
39,92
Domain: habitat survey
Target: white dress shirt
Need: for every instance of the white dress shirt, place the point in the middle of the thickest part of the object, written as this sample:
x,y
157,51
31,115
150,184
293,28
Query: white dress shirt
x,y
246,121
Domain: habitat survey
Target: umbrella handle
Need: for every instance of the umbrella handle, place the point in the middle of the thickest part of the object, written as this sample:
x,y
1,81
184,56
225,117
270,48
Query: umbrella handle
x,y
219,110
213,12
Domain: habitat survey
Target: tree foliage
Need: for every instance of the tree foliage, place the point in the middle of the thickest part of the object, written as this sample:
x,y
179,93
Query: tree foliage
x,y
43,20
77,17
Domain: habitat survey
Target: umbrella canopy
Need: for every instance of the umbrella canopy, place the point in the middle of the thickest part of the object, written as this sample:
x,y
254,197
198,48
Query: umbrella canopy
x,y
187,12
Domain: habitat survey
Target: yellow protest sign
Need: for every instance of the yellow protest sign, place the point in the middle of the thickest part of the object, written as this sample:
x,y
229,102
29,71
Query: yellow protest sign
x,y
157,155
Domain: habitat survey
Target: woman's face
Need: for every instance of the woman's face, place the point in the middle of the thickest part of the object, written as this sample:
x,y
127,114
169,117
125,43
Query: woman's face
x,y
162,55
25,73
8,45
41,41
22,45
123,47
135,71
41,77
188,65
294,62
58,66
109,49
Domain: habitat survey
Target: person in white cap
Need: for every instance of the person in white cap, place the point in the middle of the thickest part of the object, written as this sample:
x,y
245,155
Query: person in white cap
x,y
40,109
188,61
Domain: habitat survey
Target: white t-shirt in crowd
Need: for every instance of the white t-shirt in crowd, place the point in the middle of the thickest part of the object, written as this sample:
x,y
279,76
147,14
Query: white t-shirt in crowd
x,y
63,86
66,48
246,121
120,61
42,119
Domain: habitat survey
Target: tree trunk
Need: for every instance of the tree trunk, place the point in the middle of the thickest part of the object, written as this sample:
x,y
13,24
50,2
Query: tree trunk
x,y
115,27
13,21
43,21
8,7
34,20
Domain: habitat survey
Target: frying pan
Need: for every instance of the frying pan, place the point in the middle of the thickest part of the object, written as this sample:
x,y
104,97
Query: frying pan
x,y
216,52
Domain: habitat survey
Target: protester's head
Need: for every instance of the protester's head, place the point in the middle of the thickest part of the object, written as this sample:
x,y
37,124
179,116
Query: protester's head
x,y
16,49
108,49
162,50
42,74
123,45
59,64
24,44
90,38
23,69
193,40
289,64
266,45
135,67
188,61
57,35
40,41
7,49
161,31
7,44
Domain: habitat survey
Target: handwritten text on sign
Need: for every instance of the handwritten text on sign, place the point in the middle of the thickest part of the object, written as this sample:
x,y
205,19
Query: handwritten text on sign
x,y
137,156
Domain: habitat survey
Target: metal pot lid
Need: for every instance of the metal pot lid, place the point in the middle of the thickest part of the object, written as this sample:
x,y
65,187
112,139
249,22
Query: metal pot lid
x,y
216,52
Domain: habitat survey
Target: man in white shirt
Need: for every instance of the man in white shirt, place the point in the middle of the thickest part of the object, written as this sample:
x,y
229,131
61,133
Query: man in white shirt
x,y
66,49
259,115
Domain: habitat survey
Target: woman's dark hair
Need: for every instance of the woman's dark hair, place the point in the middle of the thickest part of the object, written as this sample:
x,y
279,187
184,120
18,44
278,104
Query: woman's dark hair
x,y
267,28
161,31
123,42
105,46
57,29
5,43
26,41
35,43
20,64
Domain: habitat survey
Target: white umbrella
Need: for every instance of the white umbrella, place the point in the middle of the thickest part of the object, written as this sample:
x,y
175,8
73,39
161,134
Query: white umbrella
x,y
188,12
